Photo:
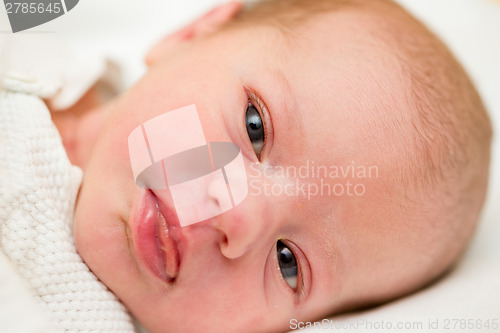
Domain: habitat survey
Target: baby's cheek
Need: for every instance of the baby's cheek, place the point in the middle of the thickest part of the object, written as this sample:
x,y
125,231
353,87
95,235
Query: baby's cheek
x,y
265,182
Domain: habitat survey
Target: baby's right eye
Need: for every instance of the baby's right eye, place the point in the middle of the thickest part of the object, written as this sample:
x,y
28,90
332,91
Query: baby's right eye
x,y
288,264
255,128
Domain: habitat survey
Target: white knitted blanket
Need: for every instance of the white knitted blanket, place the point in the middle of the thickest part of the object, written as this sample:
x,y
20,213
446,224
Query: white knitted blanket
x,y
38,188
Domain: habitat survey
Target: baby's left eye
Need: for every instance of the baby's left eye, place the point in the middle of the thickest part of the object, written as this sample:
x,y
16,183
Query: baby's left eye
x,y
288,264
255,128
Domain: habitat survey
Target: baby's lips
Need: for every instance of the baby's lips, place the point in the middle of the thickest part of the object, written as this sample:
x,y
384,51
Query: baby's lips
x,y
167,207
169,247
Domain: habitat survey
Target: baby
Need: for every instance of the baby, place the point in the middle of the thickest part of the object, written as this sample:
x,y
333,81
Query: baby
x,y
327,84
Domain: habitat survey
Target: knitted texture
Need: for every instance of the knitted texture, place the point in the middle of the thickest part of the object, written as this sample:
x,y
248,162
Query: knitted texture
x,y
38,188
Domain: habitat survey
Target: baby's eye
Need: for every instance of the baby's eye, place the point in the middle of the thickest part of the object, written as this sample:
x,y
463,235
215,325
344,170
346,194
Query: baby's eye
x,y
288,264
255,128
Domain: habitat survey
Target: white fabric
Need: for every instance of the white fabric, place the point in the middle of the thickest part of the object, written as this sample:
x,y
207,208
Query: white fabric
x,y
38,188
16,303
43,64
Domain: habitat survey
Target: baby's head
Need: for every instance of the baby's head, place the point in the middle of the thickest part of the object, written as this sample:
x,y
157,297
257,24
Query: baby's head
x,y
369,183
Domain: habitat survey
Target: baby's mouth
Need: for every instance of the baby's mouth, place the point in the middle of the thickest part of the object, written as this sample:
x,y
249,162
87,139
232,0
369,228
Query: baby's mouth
x,y
153,238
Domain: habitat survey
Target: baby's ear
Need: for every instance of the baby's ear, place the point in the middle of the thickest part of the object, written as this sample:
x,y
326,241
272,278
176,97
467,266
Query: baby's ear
x,y
203,25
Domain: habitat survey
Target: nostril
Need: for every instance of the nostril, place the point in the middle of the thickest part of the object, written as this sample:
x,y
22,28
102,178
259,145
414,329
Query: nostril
x,y
217,193
222,238
215,200
224,247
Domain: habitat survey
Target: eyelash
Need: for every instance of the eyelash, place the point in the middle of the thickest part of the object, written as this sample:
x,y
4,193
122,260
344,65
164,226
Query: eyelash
x,y
253,97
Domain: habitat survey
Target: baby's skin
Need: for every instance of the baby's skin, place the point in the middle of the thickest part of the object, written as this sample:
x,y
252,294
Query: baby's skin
x,y
320,97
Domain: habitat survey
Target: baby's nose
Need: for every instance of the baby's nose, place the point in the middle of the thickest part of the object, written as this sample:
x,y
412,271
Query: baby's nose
x,y
206,181
241,229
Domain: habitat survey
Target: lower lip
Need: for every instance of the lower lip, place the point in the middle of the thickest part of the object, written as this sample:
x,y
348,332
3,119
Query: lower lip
x,y
154,247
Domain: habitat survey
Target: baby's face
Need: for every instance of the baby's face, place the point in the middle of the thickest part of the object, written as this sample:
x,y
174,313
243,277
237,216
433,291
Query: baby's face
x,y
321,96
